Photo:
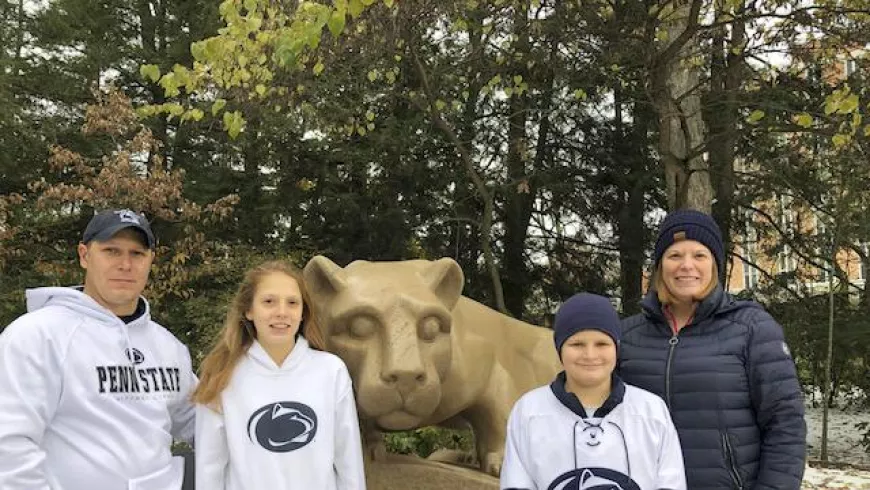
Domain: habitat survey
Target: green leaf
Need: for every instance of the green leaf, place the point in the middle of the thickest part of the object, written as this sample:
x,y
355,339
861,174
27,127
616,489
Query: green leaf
x,y
440,104
355,7
196,114
373,75
389,3
580,94
218,106
840,140
150,72
318,68
336,22
849,104
260,89
234,123
755,116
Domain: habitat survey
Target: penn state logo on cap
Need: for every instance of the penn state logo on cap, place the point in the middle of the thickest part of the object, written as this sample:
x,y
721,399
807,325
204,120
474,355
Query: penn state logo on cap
x,y
593,479
104,225
135,355
282,427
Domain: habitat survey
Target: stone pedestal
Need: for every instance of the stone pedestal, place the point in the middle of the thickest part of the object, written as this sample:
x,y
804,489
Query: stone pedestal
x,y
398,472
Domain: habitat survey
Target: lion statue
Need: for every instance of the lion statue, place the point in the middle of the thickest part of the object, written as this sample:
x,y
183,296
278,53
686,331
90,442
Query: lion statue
x,y
422,354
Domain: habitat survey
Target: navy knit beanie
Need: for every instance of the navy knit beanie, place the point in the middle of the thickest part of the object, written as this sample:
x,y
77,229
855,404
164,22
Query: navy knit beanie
x,y
688,224
585,311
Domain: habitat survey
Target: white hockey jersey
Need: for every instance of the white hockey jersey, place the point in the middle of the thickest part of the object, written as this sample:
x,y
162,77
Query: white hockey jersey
x,y
629,444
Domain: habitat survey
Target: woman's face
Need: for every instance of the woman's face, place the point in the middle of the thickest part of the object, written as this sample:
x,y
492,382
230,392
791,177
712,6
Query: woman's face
x,y
276,311
687,269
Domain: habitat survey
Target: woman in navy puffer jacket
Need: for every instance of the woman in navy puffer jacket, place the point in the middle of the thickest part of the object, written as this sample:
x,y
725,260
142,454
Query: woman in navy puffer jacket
x,y
721,365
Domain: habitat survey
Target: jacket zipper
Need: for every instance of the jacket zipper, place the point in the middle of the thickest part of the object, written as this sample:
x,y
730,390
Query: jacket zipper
x,y
729,460
673,341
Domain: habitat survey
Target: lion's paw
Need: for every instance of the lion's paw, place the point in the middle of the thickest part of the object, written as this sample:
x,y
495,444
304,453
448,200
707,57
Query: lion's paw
x,y
491,463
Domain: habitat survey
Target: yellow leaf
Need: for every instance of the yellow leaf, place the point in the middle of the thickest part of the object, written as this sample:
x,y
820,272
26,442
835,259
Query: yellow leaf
x,y
803,120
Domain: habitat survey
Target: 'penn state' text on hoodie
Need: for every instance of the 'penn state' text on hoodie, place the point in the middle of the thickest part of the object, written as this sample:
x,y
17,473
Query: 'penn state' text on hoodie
x,y
88,402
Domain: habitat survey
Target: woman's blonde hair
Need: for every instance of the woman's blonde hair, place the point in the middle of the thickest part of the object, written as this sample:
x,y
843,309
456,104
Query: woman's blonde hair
x,y
666,297
238,333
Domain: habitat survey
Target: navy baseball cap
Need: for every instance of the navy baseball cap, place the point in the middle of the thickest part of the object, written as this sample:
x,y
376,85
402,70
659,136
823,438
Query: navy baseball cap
x,y
104,225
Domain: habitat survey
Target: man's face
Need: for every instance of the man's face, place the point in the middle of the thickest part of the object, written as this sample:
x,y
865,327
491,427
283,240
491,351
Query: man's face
x,y
116,270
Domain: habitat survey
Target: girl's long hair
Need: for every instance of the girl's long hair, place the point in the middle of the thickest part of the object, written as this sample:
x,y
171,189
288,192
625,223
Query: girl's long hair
x,y
239,333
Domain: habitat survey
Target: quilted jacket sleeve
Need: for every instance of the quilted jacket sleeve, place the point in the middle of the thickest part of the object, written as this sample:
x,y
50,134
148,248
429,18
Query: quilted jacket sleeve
x,y
778,403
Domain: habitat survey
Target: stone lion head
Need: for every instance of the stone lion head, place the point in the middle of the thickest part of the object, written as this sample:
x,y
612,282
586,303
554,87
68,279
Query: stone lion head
x,y
391,323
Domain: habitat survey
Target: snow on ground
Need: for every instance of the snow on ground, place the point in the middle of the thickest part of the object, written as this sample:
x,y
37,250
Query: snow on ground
x,y
843,447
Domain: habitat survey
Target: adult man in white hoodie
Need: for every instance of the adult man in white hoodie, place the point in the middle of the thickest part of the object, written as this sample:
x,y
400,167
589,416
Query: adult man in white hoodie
x,y
92,392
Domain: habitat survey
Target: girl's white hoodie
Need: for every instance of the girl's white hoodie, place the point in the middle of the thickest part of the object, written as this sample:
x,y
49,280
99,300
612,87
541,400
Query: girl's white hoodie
x,y
286,427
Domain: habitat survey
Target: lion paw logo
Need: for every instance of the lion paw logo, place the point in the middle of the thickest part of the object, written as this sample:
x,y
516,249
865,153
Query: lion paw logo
x,y
593,479
135,356
283,426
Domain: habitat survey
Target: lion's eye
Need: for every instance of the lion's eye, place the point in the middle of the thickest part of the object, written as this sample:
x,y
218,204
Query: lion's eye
x,y
429,328
362,327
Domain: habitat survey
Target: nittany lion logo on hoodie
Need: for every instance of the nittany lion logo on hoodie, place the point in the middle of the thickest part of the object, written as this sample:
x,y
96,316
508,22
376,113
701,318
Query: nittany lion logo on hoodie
x,y
283,426
593,479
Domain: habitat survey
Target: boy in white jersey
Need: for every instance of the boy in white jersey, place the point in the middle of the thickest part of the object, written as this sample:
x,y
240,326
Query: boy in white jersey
x,y
587,429
92,391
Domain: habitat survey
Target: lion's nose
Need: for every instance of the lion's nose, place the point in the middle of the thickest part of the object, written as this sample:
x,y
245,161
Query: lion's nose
x,y
404,380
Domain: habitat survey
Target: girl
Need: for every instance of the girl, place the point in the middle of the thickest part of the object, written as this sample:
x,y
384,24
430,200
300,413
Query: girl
x,y
272,412
588,429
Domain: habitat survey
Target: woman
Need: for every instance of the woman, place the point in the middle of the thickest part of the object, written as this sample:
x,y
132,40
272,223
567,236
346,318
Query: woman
x,y
721,365
273,413
588,429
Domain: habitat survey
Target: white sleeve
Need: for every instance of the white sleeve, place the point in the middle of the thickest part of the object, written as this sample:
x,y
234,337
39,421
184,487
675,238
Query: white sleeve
x,y
514,469
212,452
30,387
348,459
671,473
182,411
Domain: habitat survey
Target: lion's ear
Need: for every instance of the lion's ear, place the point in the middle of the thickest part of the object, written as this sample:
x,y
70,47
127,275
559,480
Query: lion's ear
x,y
446,279
322,279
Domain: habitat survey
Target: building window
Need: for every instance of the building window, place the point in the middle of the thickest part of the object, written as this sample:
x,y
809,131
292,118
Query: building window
x,y
750,239
850,67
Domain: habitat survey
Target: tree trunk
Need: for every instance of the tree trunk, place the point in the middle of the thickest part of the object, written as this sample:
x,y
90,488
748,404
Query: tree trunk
x,y
721,116
519,194
673,83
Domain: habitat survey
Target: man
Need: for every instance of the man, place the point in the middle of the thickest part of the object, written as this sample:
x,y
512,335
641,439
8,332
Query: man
x,y
92,392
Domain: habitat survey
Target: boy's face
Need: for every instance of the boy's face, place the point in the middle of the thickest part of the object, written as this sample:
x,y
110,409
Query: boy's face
x,y
116,270
589,358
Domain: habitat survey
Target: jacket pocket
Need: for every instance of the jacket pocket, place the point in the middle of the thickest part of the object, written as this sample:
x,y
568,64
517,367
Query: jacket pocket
x,y
731,461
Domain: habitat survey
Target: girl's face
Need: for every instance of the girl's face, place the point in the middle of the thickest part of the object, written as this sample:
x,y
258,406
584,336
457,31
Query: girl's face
x,y
276,310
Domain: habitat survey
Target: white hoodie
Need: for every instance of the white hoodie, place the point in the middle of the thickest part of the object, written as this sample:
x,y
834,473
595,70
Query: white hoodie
x,y
88,402
284,427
